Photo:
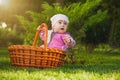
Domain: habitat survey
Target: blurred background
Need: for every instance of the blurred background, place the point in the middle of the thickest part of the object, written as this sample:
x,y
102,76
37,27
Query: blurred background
x,y
93,23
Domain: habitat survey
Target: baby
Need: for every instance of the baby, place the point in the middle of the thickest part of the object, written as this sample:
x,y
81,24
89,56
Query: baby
x,y
58,37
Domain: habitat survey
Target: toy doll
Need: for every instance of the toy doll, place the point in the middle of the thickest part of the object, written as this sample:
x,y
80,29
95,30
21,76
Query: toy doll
x,y
58,37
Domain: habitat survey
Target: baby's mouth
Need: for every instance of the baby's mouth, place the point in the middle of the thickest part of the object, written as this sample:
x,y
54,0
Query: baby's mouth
x,y
62,28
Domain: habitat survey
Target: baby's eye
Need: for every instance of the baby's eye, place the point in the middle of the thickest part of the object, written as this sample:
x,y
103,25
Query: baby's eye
x,y
65,23
60,22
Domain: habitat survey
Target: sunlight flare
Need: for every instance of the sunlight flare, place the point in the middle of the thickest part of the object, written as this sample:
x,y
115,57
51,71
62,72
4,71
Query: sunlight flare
x,y
4,2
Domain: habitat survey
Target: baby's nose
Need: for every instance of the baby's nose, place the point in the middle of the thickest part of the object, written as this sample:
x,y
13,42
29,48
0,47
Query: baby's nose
x,y
62,25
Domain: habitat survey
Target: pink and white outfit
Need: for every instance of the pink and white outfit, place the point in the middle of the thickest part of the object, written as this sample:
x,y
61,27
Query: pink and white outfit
x,y
56,40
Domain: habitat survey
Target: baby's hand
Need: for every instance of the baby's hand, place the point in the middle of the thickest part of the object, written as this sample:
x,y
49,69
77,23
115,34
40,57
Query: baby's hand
x,y
67,40
40,29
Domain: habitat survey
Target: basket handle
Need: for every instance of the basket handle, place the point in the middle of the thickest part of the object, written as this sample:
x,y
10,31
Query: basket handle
x,y
42,26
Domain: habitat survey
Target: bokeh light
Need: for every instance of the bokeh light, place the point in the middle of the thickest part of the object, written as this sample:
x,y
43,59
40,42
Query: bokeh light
x,y
3,25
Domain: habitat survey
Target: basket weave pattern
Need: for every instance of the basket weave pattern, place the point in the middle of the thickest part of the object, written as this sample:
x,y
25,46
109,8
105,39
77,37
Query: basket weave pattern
x,y
32,56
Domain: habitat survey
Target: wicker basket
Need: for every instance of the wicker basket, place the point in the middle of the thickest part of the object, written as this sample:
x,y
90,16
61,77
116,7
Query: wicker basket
x,y
32,56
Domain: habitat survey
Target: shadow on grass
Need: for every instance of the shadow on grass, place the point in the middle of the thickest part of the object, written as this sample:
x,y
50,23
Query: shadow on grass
x,y
101,67
97,68
67,68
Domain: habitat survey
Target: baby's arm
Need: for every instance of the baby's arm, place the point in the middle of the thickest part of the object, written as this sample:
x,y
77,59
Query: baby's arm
x,y
42,32
69,41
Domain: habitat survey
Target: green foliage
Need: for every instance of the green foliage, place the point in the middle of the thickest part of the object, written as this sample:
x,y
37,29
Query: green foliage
x,y
97,34
9,37
94,28
30,26
95,19
78,12
113,8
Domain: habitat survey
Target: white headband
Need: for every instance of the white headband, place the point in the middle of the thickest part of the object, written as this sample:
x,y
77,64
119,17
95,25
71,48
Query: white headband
x,y
57,17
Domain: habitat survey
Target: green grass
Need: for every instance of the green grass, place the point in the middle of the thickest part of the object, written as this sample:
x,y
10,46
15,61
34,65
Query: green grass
x,y
96,66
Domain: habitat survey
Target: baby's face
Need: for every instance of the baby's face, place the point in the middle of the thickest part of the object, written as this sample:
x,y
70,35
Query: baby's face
x,y
60,26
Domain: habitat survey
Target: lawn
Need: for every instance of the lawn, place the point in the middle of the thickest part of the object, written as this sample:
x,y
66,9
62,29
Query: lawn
x,y
95,66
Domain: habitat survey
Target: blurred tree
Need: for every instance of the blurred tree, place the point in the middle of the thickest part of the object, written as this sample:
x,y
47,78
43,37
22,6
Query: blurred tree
x,y
113,8
95,31
10,36
62,2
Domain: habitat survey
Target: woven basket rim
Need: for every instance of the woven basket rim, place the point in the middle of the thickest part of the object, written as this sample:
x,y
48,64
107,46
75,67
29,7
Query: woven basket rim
x,y
13,47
